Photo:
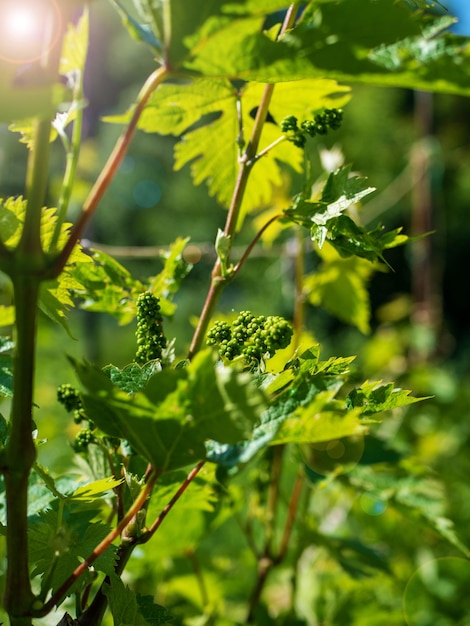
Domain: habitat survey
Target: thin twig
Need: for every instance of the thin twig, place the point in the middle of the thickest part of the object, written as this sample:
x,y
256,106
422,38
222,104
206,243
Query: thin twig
x,y
109,170
184,485
250,247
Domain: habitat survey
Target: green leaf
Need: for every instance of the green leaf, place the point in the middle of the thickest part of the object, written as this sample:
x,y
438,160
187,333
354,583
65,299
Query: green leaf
x,y
75,46
176,108
133,377
165,284
169,421
140,32
3,430
129,609
56,295
59,542
374,397
341,191
317,422
420,497
298,387
95,490
107,287
340,286
6,368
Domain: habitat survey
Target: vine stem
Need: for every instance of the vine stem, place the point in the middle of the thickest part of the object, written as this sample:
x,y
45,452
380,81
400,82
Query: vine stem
x,y
248,159
184,485
20,452
109,170
94,613
252,244
138,503
268,560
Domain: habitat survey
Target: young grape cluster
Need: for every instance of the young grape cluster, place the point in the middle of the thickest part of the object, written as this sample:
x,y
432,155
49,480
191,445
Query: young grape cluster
x,y
83,440
330,118
69,397
254,337
149,334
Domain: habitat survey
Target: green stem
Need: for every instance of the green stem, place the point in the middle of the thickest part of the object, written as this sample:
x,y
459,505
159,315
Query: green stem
x,y
20,452
36,186
299,302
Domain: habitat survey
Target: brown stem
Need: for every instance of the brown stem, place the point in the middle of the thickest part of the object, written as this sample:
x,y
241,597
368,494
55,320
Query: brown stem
x,y
291,513
109,170
268,560
252,244
184,485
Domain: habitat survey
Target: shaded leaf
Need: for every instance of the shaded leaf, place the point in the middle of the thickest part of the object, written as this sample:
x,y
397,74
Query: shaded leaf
x,y
169,421
132,377
129,609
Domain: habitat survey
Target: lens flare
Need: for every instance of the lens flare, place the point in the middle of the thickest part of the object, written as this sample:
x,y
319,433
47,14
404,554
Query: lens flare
x,y
21,22
28,29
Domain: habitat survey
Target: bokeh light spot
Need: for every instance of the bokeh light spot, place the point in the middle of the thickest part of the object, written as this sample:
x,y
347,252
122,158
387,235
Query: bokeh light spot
x,y
338,455
147,194
372,504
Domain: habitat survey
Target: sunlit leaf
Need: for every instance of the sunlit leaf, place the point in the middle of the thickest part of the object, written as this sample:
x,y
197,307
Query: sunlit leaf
x,y
341,287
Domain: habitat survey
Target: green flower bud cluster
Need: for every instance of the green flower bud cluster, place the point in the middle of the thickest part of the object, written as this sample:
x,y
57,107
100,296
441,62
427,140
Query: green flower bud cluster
x,y
254,337
149,334
83,440
69,397
330,118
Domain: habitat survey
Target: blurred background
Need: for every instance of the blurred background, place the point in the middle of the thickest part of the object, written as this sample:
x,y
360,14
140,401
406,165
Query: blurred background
x,y
413,147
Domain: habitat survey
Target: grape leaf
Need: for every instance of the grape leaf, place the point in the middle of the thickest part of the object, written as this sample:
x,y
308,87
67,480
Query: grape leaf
x,y
175,108
6,368
132,377
139,31
129,609
374,397
340,286
58,544
55,295
294,389
169,421
318,421
95,490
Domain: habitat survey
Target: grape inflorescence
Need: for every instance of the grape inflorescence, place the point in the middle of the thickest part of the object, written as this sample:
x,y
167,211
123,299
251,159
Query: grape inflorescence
x,y
321,123
253,337
149,334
